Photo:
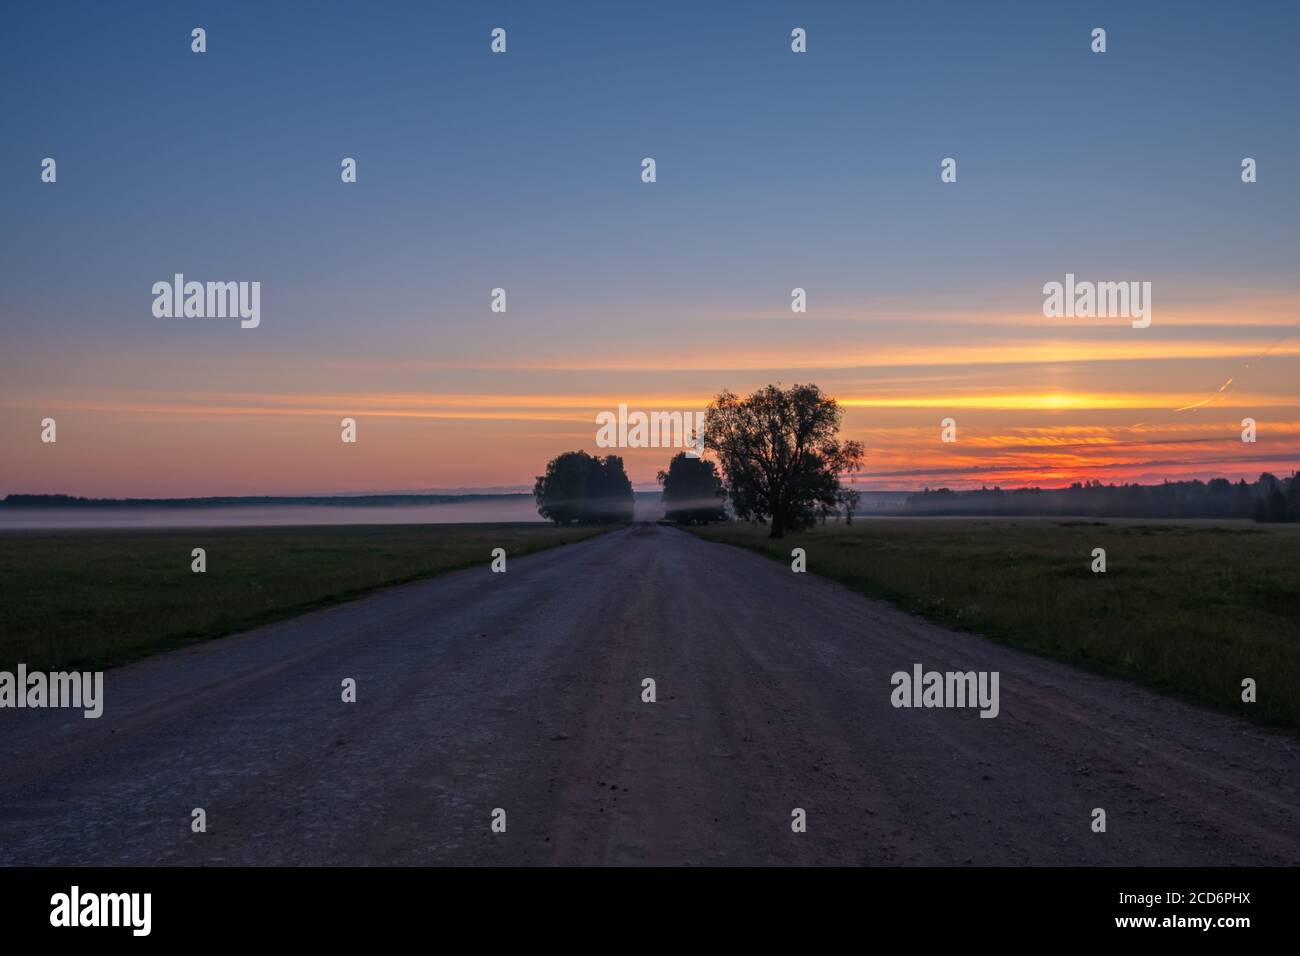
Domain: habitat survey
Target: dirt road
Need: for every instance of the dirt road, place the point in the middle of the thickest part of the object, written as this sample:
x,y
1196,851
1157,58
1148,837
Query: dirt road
x,y
523,691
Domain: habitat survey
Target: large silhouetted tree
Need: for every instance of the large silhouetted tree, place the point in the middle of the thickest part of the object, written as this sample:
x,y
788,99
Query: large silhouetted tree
x,y
781,454
578,487
693,492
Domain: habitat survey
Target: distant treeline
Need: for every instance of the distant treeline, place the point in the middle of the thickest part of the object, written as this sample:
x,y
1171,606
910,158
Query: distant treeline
x,y
1268,499
355,501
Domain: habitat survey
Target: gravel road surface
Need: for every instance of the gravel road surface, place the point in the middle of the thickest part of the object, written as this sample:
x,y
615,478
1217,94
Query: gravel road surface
x,y
523,691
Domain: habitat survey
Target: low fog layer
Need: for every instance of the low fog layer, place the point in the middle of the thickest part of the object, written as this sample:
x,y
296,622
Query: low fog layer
x,y
236,516
647,507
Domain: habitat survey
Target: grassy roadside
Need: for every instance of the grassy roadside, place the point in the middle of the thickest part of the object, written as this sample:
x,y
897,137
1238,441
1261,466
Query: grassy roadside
x,y
1187,608
94,599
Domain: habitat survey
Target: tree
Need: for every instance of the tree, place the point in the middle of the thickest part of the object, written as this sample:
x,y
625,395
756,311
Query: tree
x,y
578,487
693,492
1270,505
850,499
1242,499
780,453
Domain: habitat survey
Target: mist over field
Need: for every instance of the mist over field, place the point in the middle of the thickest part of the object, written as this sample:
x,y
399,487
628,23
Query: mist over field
x,y
474,509
249,516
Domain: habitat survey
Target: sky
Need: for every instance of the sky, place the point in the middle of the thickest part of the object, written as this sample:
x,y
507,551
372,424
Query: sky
x,y
522,171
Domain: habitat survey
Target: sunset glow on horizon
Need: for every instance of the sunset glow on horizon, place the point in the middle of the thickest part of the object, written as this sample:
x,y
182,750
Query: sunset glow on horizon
x,y
1021,423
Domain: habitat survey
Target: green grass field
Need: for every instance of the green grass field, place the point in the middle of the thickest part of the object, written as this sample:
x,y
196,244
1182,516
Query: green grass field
x,y
1188,608
95,599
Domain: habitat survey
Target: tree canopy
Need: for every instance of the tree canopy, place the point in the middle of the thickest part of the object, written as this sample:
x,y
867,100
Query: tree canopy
x,y
693,492
781,455
584,489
